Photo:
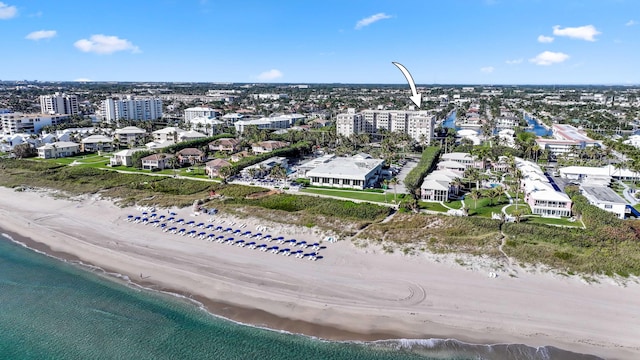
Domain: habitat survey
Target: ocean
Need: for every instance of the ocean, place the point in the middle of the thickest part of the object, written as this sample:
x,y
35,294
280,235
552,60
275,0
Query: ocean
x,y
53,309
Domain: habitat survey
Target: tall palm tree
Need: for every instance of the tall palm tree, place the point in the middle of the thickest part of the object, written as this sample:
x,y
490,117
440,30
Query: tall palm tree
x,y
385,186
395,181
173,163
475,195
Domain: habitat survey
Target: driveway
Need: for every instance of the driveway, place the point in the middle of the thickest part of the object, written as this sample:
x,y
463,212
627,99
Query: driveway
x,y
400,188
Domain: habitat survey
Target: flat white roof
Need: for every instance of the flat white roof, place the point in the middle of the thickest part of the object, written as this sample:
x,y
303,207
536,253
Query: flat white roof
x,y
603,194
346,168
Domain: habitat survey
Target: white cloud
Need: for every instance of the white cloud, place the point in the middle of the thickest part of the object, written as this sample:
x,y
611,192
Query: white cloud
x,y
7,12
371,19
545,39
631,23
103,44
270,75
487,69
82,80
587,32
514,61
41,34
548,58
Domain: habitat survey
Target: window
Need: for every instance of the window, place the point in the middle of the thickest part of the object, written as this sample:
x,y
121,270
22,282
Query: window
x,y
608,206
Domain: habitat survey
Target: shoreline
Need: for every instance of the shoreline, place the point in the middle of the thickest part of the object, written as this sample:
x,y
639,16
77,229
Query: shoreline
x,y
355,317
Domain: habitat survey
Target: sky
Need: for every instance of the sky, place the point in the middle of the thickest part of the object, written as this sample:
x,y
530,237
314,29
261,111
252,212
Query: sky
x,y
488,42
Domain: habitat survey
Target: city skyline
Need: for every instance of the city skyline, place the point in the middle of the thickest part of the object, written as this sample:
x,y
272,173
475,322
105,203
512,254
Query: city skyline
x,y
537,42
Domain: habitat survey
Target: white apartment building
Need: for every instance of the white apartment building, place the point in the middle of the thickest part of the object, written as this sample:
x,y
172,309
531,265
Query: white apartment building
x,y
417,124
58,149
131,108
17,123
198,112
269,96
274,122
565,139
59,104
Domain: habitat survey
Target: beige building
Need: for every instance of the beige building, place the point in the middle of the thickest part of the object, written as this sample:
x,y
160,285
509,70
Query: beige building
x,y
58,149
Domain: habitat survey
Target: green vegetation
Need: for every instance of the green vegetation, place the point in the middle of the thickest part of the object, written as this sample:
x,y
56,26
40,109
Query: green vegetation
x,y
553,221
432,206
198,143
441,234
294,150
414,178
353,194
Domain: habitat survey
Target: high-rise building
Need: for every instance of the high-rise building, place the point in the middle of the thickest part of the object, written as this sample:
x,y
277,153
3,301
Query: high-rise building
x,y
417,124
59,104
131,108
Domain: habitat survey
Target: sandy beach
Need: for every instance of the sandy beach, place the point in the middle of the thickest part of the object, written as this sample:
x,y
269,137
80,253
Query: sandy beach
x,y
351,294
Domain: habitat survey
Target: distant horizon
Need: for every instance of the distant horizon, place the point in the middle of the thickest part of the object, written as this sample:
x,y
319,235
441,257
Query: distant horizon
x,y
314,83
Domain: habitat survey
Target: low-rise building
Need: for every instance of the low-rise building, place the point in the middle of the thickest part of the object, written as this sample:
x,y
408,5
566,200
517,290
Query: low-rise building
x,y
58,149
606,199
123,157
96,143
267,146
130,135
156,161
465,159
224,144
190,156
439,186
347,172
543,197
264,167
199,112
213,167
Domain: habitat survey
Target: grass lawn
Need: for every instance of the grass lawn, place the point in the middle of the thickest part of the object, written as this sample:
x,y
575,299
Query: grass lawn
x,y
524,208
433,206
483,208
553,221
457,204
357,195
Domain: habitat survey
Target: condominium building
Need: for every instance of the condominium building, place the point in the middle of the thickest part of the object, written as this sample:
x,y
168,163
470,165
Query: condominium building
x,y
59,104
18,123
198,112
565,139
273,122
419,125
131,108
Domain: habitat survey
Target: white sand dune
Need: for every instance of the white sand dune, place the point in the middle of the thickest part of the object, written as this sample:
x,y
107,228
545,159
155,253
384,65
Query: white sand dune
x,y
361,291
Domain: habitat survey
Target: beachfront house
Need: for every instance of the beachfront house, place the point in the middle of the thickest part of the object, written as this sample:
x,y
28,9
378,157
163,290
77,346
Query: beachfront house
x,y
465,159
123,157
224,144
267,146
439,186
156,161
353,172
212,168
190,156
543,197
264,167
606,199
58,149
95,143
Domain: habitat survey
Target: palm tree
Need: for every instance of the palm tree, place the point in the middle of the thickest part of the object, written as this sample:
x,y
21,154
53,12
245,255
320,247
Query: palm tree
x,y
475,195
473,175
385,186
279,172
394,181
173,163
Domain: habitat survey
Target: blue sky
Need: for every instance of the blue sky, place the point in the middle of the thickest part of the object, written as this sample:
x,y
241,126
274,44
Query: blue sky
x,y
323,41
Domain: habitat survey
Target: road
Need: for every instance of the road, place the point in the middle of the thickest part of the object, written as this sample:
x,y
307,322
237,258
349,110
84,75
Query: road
x,y
400,188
